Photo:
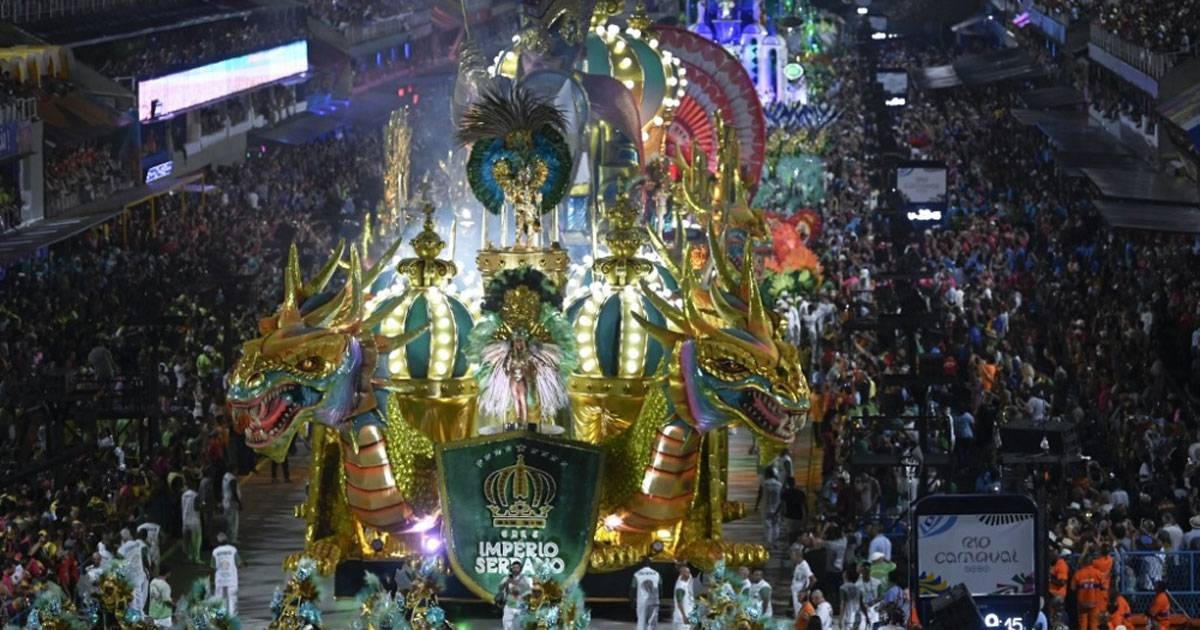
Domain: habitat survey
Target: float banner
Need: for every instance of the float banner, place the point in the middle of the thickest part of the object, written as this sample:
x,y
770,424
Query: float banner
x,y
993,554
517,496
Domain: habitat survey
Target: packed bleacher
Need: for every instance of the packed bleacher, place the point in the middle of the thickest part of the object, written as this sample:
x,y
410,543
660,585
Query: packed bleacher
x,y
83,174
1168,26
1042,312
66,320
164,52
342,13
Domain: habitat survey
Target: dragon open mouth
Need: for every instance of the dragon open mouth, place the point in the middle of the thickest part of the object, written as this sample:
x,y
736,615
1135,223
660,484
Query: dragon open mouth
x,y
265,418
768,413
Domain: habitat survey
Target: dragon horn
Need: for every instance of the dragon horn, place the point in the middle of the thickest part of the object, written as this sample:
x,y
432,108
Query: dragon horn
x,y
289,313
381,312
727,311
372,274
670,312
665,336
664,253
354,285
729,277
387,344
317,284
759,323
699,325
365,240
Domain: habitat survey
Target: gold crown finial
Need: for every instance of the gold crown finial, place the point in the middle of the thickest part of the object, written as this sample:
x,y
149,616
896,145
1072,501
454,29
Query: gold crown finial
x,y
427,269
638,19
624,239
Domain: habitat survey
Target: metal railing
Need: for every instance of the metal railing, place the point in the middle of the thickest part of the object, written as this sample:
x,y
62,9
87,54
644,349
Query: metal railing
x,y
1136,572
18,110
1153,64
23,11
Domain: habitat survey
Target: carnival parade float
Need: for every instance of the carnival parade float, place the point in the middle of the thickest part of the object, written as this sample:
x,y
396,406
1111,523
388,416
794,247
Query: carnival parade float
x,y
585,430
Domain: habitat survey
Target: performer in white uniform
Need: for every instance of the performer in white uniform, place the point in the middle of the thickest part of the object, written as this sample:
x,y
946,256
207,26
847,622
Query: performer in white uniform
x,y
802,580
647,586
760,592
151,537
133,551
191,525
225,563
684,599
514,587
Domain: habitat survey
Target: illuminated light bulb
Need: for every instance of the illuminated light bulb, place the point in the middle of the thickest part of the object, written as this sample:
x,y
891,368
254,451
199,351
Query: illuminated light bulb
x,y
654,43
441,366
672,81
645,136
516,38
443,354
613,29
619,47
683,73
582,337
612,521
625,63
663,534
600,29
445,338
683,82
633,32
635,337
589,366
628,83
658,121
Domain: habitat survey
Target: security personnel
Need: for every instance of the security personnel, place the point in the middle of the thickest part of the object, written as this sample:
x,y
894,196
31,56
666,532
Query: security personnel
x,y
1090,596
1059,574
1118,612
1104,562
1160,607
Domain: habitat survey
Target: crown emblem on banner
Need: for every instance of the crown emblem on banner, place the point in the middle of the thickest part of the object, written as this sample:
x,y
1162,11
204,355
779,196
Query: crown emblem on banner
x,y
520,495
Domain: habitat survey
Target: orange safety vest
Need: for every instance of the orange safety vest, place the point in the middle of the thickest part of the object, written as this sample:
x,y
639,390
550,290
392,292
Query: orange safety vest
x,y
1105,565
1089,588
1160,611
1058,578
1120,614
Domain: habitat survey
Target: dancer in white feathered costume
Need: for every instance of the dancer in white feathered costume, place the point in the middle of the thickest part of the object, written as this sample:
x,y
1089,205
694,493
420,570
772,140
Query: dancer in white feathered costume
x,y
524,349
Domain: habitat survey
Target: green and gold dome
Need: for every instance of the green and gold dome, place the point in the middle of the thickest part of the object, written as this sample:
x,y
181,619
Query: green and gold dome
x,y
618,359
431,373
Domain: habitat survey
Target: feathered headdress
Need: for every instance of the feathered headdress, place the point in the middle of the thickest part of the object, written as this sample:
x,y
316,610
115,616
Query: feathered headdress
x,y
510,131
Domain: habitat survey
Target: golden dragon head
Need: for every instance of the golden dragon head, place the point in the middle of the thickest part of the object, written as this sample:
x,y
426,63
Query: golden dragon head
x,y
729,361
316,358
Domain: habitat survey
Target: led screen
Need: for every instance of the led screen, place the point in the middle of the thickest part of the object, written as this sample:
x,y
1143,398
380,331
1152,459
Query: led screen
x,y
180,91
922,186
894,82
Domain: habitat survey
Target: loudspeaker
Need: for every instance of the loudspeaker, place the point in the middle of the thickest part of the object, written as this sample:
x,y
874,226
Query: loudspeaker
x,y
954,610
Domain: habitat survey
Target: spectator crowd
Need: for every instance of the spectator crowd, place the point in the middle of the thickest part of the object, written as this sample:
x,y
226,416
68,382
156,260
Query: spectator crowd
x,y
139,382
164,52
1039,312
